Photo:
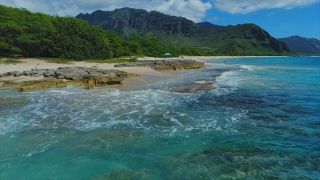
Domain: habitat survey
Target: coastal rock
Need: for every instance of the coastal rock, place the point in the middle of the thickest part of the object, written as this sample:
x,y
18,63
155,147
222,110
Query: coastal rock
x,y
165,65
38,85
32,73
62,77
193,87
13,73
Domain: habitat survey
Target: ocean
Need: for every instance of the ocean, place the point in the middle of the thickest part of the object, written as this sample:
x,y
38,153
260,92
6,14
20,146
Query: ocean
x,y
259,120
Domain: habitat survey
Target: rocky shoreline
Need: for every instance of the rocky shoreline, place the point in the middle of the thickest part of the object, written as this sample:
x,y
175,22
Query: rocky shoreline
x,y
87,77
62,77
165,65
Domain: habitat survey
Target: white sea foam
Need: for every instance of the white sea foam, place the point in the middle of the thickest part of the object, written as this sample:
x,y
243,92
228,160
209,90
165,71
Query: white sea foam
x,y
227,83
229,78
105,108
40,148
62,92
255,67
274,67
203,82
248,67
176,121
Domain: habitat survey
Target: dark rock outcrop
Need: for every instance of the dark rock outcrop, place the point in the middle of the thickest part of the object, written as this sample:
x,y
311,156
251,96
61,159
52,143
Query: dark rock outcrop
x,y
165,65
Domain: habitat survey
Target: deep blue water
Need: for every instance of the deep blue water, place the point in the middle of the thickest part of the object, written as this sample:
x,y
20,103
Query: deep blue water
x,y
261,121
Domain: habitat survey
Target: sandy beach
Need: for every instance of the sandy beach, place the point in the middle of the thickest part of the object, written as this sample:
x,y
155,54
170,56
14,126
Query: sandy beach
x,y
33,63
28,64
205,58
144,74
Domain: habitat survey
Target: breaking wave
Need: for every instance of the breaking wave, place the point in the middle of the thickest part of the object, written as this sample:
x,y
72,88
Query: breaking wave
x,y
84,110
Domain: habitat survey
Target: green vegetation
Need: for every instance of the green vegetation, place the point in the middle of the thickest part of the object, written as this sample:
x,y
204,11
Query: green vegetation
x,y
57,60
197,52
9,61
60,39
69,61
113,60
191,38
29,34
150,46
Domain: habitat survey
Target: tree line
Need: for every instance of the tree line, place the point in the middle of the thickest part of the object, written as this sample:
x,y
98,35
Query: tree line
x,y
27,34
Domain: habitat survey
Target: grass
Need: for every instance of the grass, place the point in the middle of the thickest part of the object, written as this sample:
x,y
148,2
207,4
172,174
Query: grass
x,y
70,61
9,61
114,60
57,60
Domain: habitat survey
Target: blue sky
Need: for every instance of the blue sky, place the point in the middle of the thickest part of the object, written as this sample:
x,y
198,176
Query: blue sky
x,y
303,21
281,18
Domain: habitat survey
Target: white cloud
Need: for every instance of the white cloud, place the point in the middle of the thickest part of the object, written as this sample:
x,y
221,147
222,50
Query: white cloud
x,y
191,9
247,6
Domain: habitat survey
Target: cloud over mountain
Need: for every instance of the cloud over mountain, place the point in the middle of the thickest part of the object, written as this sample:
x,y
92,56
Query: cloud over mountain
x,y
247,6
192,9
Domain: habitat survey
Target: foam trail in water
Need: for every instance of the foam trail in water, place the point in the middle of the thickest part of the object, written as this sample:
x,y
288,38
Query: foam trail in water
x,y
227,83
84,110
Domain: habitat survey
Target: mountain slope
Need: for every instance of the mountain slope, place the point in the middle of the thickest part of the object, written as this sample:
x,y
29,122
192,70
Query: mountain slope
x,y
139,21
246,39
27,34
301,45
209,25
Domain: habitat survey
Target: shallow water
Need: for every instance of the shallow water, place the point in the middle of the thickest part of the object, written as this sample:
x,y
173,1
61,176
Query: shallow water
x,y
262,120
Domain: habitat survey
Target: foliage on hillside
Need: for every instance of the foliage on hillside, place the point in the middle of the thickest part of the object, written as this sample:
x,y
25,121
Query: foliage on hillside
x,y
200,39
143,33
27,34
150,46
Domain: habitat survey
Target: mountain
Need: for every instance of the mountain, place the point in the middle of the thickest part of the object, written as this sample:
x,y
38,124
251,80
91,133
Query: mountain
x,y
301,45
209,25
204,38
128,22
27,34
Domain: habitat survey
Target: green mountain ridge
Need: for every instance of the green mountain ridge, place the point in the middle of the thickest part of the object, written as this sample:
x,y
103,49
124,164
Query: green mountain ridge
x,y
209,25
204,38
27,34
303,46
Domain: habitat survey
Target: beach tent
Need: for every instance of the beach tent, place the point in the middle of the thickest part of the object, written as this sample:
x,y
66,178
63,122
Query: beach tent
x,y
167,54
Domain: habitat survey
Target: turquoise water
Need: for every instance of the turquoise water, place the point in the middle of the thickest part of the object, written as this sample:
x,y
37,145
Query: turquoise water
x,y
261,121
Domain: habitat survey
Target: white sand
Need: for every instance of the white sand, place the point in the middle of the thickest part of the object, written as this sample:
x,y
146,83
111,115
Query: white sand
x,y
144,74
28,64
205,58
196,58
31,63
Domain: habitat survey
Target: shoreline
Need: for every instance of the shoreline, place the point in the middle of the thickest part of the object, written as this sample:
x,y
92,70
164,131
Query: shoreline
x,y
137,75
38,63
144,75
204,58
32,63
27,64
